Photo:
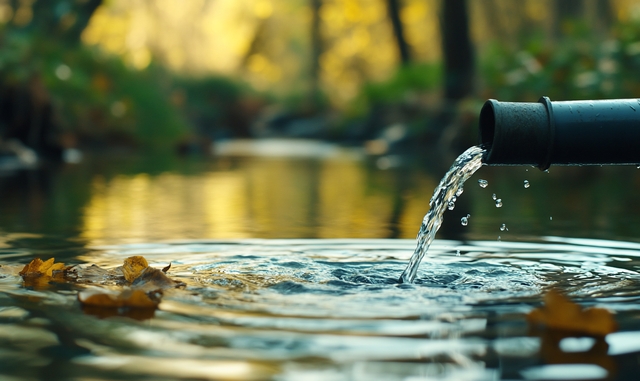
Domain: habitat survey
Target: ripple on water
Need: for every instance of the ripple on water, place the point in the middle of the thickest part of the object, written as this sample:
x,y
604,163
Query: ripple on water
x,y
288,303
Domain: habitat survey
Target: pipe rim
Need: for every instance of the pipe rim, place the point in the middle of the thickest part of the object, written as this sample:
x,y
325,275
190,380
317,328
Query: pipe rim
x,y
488,124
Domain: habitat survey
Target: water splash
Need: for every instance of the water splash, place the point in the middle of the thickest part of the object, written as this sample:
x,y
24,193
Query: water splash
x,y
463,167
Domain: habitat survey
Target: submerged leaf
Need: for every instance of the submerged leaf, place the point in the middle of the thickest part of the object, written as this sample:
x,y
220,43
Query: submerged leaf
x,y
132,298
562,314
133,267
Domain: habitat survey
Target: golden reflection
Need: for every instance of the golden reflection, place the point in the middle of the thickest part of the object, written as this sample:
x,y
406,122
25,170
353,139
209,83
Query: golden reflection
x,y
416,205
167,206
347,208
257,197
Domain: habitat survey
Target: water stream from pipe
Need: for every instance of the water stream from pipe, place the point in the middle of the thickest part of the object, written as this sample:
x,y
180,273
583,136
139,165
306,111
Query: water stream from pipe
x,y
444,197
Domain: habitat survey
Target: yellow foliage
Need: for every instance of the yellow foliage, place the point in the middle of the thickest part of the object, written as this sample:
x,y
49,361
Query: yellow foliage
x,y
560,313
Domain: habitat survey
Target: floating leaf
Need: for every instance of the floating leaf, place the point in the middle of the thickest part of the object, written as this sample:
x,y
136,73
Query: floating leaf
x,y
166,268
138,301
153,279
37,268
94,274
560,313
133,267
39,275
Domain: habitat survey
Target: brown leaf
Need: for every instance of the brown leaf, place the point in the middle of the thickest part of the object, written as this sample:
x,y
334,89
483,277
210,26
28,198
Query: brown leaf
x,y
106,298
133,267
166,268
153,279
561,313
37,268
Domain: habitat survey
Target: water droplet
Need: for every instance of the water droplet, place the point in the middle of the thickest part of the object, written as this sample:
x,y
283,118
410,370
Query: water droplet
x,y
483,183
499,203
459,192
526,184
503,227
550,218
458,252
638,167
499,238
546,171
451,205
464,221
493,196
453,199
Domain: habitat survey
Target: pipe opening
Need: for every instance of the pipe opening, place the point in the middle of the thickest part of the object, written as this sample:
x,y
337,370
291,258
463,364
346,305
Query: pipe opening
x,y
487,124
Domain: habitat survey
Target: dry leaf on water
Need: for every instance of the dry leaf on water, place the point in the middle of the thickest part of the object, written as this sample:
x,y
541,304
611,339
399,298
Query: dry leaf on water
x,y
37,268
560,313
133,267
146,283
141,276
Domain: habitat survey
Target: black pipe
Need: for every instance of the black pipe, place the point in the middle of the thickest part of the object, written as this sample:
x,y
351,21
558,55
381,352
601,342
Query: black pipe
x,y
561,133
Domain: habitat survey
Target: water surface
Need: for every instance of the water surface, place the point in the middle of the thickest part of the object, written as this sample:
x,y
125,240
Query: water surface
x,y
291,268
326,309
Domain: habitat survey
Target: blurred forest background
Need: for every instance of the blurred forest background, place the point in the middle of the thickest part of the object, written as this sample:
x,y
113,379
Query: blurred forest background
x,y
171,75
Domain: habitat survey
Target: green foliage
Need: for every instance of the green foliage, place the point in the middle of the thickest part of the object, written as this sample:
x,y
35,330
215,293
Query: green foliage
x,y
216,106
580,66
410,79
96,97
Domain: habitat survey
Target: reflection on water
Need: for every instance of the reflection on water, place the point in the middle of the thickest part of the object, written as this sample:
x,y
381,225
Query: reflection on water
x,y
265,197
140,200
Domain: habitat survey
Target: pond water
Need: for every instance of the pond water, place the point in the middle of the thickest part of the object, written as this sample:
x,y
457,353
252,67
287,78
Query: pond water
x,y
291,267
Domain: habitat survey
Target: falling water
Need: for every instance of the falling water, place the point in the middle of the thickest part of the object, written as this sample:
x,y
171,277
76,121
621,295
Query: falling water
x,y
443,196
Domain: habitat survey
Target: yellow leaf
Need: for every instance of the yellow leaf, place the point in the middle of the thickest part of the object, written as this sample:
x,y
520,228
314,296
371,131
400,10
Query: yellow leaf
x,y
37,268
133,267
560,313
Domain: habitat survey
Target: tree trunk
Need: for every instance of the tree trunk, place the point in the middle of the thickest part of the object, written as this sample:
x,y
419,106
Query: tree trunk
x,y
316,51
566,11
457,50
61,19
398,31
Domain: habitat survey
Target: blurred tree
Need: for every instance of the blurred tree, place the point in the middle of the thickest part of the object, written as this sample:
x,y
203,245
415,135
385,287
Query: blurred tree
x,y
566,11
457,50
63,19
398,31
316,51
